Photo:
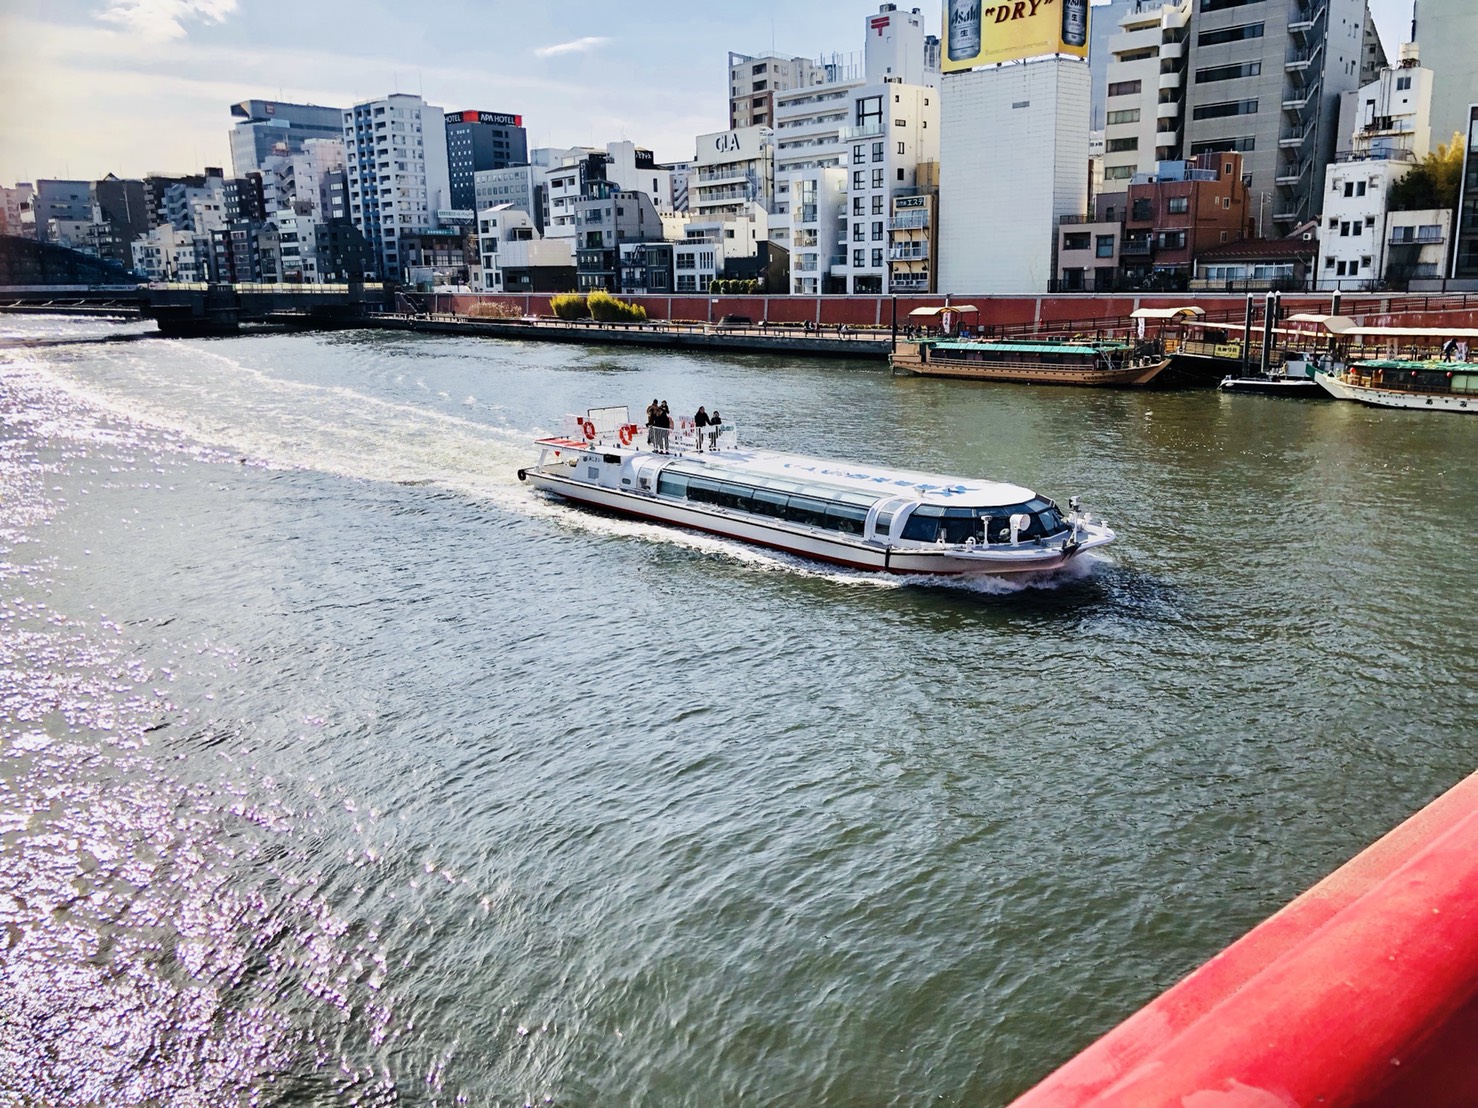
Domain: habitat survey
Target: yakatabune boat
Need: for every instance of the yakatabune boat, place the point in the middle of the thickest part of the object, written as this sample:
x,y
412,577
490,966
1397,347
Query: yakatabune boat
x,y
1428,384
847,513
1106,363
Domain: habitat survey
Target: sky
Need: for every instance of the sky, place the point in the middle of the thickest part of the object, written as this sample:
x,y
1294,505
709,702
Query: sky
x,y
131,87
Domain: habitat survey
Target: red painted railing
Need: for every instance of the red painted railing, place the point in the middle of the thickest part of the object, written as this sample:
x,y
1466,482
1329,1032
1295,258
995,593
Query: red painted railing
x,y
1362,992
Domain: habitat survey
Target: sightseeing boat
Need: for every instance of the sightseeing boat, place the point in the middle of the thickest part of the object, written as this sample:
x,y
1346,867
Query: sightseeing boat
x,y
858,515
1108,363
1428,384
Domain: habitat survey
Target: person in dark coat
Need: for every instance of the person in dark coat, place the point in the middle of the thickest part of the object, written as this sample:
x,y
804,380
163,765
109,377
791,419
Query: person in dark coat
x,y
714,422
652,410
663,423
700,426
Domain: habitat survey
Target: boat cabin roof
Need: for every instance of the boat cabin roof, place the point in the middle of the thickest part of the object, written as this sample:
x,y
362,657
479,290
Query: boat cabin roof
x,y
925,313
1343,325
1189,311
849,482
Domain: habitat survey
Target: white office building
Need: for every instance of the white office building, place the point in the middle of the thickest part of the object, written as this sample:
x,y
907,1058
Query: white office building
x,y
509,243
516,185
1385,129
396,162
819,130
732,169
1012,161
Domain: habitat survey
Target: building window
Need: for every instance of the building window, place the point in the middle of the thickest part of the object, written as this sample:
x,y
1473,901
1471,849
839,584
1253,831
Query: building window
x,y
877,258
900,148
1359,188
1228,72
877,151
859,155
877,178
1104,246
870,111
858,203
1123,88
1119,145
859,259
877,205
859,179
1118,173
1229,34
1178,205
1076,240
1225,108
1403,83
859,232
877,230
1129,115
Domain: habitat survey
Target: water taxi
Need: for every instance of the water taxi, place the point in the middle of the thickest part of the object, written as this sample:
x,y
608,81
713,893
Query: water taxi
x,y
851,514
1106,363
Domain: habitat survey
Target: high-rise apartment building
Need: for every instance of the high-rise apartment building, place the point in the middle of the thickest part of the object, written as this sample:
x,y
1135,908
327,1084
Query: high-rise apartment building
x,y
1144,90
61,201
1264,79
267,127
823,129
396,163
1465,246
481,140
753,82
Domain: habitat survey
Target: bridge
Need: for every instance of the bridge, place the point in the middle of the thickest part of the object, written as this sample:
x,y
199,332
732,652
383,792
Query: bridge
x,y
206,308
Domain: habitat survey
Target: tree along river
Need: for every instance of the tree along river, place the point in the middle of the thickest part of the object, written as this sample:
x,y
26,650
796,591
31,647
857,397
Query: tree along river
x,y
338,767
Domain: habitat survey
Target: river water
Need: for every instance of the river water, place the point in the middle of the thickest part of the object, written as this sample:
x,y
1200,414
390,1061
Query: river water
x,y
337,767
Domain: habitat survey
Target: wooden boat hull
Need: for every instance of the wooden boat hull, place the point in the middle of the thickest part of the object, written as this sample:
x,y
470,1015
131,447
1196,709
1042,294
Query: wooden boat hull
x,y
1025,373
1343,389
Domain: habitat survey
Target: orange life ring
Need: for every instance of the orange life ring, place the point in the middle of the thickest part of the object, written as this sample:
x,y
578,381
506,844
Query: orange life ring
x,y
589,429
625,434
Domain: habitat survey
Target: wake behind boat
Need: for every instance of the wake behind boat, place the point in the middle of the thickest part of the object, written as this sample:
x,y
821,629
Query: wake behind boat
x,y
863,516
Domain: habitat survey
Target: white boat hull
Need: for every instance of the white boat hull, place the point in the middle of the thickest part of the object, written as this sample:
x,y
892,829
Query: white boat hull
x,y
1028,556
1393,398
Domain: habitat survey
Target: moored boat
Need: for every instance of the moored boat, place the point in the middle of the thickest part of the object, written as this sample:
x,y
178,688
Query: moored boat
x,y
1428,384
852,514
1295,380
1102,363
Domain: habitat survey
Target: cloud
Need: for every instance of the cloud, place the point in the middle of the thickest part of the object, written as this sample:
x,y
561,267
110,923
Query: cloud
x,y
164,19
577,46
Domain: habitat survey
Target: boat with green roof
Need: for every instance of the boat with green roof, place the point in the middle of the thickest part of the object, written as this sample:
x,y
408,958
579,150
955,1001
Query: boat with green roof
x,y
1102,363
1430,384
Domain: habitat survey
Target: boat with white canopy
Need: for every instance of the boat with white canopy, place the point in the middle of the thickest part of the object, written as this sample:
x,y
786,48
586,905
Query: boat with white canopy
x,y
1427,368
853,514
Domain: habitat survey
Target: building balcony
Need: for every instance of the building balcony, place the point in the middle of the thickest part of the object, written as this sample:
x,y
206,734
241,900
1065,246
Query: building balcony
x,y
1305,17
1171,50
1168,110
914,221
1292,138
1166,138
1296,100
1397,239
908,282
1131,248
1299,63
867,130
1292,173
1171,80
908,252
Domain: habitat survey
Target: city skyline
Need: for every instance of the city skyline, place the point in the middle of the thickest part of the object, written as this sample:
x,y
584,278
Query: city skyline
x,y
138,86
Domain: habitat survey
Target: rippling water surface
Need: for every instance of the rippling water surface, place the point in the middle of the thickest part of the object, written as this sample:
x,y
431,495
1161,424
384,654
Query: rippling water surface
x,y
337,767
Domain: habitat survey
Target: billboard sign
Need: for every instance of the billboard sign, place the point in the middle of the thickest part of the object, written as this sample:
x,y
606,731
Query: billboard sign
x,y
985,32
497,119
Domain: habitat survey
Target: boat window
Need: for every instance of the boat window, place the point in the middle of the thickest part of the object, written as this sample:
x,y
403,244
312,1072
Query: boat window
x,y
847,518
959,524
672,484
923,524
705,490
805,509
731,495
883,524
998,528
768,502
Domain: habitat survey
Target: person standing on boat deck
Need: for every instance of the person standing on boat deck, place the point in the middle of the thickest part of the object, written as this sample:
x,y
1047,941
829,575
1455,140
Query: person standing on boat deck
x,y
713,429
664,428
700,422
1448,349
651,419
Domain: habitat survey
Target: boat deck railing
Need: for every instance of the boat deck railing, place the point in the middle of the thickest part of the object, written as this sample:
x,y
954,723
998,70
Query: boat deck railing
x,y
682,438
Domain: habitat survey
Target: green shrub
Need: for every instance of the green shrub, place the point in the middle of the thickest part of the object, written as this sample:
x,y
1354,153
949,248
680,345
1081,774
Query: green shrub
x,y
605,308
569,305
